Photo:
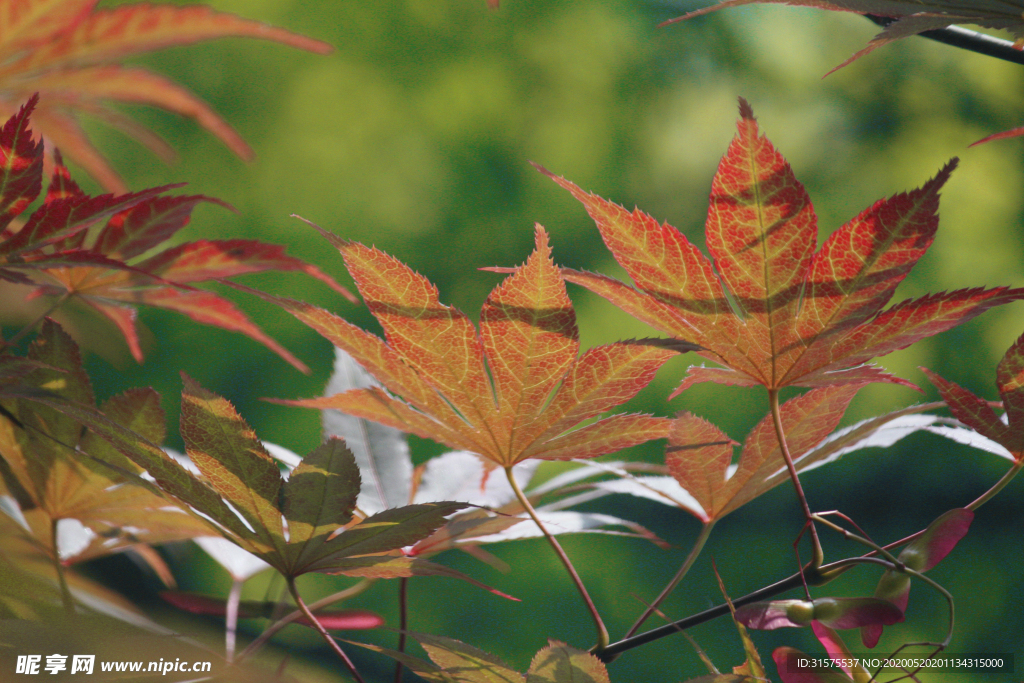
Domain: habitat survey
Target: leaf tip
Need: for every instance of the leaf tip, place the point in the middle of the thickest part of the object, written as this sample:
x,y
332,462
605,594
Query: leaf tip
x,y
543,170
1012,133
943,175
190,384
746,111
541,241
330,236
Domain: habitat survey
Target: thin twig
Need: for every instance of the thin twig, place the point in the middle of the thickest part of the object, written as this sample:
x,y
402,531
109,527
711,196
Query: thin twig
x,y
810,575
276,626
323,632
615,649
602,630
997,487
403,622
698,545
773,398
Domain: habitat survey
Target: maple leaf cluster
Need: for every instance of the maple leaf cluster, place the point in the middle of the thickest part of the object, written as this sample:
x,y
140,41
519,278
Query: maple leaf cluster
x,y
775,312
769,307
294,525
50,484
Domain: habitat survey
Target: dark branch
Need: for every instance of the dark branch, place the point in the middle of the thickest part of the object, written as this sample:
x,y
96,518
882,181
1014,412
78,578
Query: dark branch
x,y
966,40
615,649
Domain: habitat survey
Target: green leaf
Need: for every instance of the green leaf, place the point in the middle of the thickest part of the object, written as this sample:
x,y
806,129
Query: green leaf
x,y
136,409
425,670
170,477
320,494
469,664
227,452
559,663
58,471
385,531
317,502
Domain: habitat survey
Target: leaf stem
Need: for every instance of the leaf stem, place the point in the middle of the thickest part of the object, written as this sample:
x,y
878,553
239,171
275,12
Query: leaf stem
x,y
602,631
323,632
403,622
818,554
231,618
834,569
846,533
273,628
997,487
65,591
695,551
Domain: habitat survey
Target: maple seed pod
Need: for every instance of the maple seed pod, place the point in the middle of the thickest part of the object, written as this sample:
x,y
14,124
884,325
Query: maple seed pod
x,y
801,612
893,586
914,557
827,609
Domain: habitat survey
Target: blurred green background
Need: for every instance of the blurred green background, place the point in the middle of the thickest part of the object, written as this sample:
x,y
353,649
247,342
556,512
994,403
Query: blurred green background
x,y
416,135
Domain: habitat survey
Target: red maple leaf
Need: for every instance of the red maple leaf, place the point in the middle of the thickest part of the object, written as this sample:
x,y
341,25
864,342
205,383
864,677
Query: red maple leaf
x,y
69,53
978,414
700,455
512,392
91,248
768,307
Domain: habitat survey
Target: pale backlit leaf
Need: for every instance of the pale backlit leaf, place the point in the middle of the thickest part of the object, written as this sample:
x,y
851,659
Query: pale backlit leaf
x,y
381,452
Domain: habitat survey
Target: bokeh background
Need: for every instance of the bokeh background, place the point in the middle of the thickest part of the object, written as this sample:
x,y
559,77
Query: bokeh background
x,y
416,135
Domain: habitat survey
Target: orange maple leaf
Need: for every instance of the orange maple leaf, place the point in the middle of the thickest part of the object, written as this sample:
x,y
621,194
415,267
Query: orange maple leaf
x,y
512,392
